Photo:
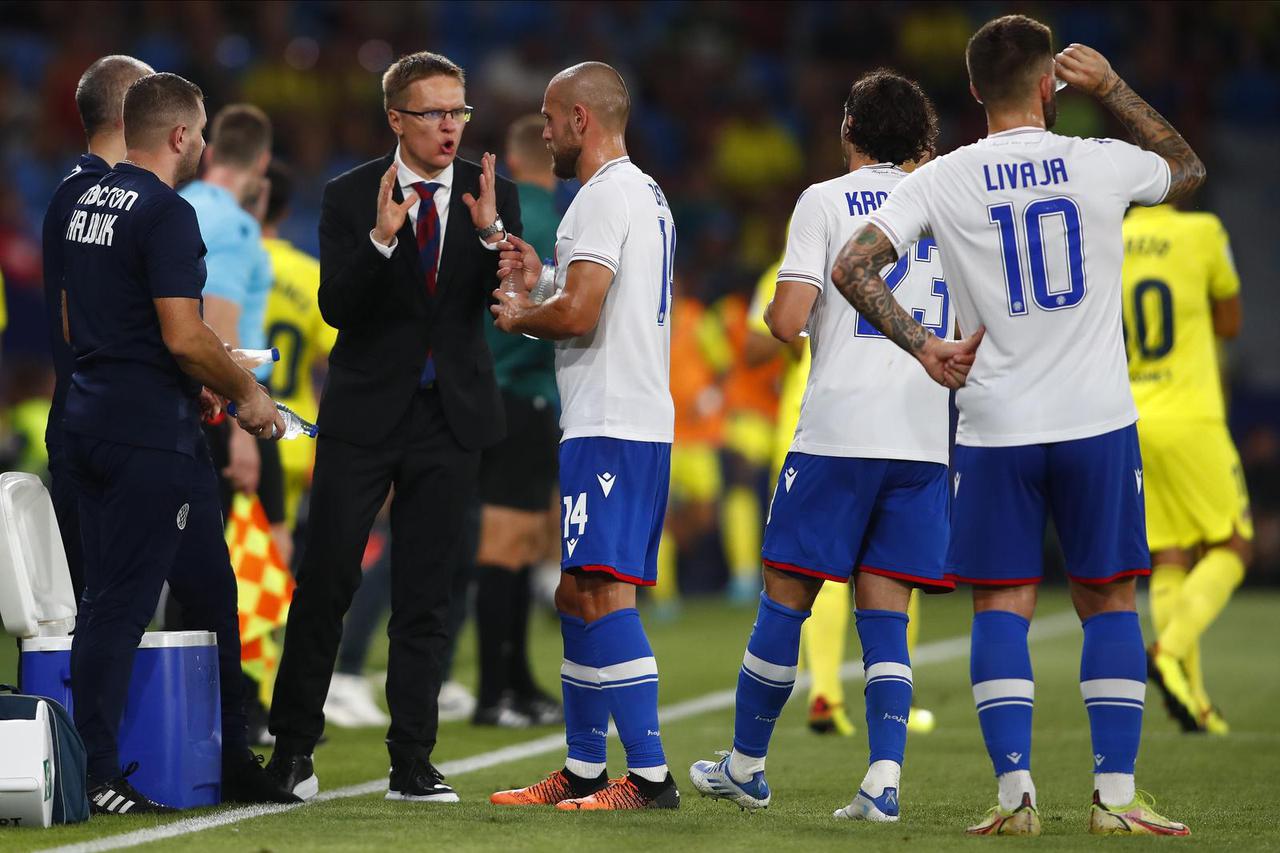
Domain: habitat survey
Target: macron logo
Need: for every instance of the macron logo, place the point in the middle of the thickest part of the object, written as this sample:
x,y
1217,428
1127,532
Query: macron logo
x,y
1014,757
790,476
1098,759
955,487
571,544
1137,476
606,481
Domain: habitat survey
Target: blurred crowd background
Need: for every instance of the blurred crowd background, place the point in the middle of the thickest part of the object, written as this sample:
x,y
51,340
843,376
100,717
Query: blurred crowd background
x,y
736,109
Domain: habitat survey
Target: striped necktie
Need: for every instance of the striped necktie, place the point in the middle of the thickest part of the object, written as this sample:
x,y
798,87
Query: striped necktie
x,y
428,234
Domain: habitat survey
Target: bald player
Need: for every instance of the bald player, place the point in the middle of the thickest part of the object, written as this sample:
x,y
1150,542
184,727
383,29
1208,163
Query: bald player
x,y
608,316
100,102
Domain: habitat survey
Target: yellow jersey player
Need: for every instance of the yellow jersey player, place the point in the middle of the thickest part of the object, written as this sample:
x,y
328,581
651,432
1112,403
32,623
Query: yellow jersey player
x,y
1181,293
824,635
294,327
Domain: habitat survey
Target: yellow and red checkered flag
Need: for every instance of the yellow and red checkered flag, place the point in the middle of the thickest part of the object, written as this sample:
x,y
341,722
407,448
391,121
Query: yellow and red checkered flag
x,y
265,589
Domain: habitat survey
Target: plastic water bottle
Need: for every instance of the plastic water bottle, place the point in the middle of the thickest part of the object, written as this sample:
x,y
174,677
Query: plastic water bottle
x,y
294,425
250,359
546,286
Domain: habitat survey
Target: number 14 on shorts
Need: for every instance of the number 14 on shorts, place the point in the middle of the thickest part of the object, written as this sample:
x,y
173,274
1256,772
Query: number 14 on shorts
x,y
574,515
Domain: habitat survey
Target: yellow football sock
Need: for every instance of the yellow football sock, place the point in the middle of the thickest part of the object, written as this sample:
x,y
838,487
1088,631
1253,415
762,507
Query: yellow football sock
x,y
740,529
1165,587
913,621
666,589
1195,675
823,637
1204,595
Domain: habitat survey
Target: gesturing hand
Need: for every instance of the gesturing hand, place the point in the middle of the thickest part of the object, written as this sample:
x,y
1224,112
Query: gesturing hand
x,y
391,213
1087,70
948,362
484,210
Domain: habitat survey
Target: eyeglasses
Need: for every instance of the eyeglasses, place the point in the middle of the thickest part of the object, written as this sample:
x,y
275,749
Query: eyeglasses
x,y
462,114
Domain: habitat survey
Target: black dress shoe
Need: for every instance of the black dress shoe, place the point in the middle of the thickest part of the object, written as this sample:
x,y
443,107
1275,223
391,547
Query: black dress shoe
x,y
245,780
415,779
540,708
503,715
295,774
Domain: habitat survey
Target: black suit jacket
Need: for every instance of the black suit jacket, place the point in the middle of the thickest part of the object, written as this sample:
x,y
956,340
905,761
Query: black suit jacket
x,y
386,321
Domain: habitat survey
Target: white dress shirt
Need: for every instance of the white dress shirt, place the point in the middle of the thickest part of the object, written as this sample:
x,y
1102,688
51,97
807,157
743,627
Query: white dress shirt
x,y
444,193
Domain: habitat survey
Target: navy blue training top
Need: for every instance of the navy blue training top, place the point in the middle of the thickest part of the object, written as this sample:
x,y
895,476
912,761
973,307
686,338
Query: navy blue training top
x,y
130,239
88,171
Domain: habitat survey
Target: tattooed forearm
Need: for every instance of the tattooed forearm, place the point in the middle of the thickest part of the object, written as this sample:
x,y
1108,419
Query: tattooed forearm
x,y
1154,133
856,275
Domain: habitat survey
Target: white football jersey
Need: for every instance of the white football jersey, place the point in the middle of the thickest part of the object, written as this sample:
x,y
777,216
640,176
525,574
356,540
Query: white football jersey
x,y
865,397
615,381
1029,224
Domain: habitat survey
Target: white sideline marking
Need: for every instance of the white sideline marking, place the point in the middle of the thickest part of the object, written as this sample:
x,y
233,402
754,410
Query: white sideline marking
x,y
936,652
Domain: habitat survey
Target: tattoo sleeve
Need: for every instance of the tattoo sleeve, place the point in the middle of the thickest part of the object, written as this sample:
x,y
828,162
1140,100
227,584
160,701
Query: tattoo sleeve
x,y
1153,132
856,275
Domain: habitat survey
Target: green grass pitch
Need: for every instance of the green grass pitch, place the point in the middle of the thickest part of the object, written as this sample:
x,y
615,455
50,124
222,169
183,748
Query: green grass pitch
x,y
1224,788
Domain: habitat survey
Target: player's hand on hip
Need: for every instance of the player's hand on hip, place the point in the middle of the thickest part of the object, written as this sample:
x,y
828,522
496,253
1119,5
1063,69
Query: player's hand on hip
x,y
511,304
1084,68
391,213
517,256
948,362
484,210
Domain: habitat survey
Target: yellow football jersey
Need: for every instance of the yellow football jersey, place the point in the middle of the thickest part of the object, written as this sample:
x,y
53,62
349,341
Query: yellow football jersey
x,y
794,376
295,327
1175,265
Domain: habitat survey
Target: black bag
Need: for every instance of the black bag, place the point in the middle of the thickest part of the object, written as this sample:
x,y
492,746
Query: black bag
x,y
71,762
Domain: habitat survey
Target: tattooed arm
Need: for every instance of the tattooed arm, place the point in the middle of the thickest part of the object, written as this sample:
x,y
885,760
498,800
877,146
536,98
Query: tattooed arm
x,y
1089,71
856,275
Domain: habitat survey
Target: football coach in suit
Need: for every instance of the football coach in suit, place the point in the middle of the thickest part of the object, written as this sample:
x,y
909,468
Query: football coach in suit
x,y
407,260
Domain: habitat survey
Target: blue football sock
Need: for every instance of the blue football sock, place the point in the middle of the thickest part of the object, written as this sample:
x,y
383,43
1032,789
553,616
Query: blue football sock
x,y
1003,689
768,673
586,709
888,671
1113,681
629,678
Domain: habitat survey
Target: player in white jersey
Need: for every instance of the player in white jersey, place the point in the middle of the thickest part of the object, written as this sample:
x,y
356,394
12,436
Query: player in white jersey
x,y
1029,224
615,250
864,487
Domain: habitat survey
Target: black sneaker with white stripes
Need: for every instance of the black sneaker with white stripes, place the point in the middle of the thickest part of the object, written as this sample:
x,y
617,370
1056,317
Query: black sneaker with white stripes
x,y
415,779
117,796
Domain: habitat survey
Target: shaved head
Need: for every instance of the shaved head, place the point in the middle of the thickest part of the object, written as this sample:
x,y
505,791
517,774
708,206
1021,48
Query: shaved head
x,y
585,105
596,86
100,92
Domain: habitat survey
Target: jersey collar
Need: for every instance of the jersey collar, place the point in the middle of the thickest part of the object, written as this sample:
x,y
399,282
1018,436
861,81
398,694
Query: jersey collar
x,y
607,166
1016,131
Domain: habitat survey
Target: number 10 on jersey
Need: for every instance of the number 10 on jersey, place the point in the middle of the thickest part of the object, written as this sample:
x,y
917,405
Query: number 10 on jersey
x,y
1011,252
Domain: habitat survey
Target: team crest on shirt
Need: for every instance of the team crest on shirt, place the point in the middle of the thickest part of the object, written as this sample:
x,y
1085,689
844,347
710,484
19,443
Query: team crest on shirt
x,y
183,511
606,481
790,477
1137,476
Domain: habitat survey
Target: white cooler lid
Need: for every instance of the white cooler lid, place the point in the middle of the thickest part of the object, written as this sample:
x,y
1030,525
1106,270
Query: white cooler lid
x,y
150,640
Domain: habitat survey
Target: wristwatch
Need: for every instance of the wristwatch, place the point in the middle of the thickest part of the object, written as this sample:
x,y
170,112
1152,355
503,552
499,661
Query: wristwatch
x,y
486,233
